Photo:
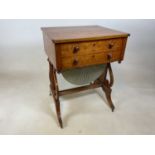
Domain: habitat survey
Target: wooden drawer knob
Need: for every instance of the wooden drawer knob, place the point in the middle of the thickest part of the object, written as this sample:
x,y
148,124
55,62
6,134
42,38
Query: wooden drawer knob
x,y
109,56
76,49
110,46
75,62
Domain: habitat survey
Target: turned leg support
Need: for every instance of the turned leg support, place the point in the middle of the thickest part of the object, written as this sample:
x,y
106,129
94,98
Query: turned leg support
x,y
106,88
55,91
102,82
107,84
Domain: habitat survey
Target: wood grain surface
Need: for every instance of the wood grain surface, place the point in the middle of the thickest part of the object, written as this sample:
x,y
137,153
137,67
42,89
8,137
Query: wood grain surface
x,y
81,33
81,46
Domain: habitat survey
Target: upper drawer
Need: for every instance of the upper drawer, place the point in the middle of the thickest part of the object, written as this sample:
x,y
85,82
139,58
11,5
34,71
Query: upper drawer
x,y
91,47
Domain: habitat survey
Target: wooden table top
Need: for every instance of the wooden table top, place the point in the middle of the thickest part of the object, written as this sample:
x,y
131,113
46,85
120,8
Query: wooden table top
x,y
81,33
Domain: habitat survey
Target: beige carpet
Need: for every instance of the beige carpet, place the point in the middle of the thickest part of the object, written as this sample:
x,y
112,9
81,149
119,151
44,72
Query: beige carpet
x,y
27,108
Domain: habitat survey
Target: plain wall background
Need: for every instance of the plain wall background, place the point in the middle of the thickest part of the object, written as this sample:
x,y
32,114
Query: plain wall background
x,y
27,32
24,83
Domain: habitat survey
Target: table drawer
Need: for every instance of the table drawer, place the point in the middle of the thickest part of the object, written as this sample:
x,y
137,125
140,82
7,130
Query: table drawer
x,y
91,47
91,59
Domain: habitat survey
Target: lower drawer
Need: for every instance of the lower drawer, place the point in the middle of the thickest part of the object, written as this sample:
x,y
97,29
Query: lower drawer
x,y
87,60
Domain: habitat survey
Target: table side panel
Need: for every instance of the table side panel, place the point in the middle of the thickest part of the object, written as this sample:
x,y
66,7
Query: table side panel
x,y
124,42
49,47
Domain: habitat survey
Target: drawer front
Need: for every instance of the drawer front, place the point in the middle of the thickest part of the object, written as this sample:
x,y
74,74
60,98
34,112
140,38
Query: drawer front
x,y
76,55
92,47
81,61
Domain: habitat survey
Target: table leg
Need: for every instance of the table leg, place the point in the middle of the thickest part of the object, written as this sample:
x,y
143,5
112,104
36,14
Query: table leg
x,y
55,92
107,84
102,82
